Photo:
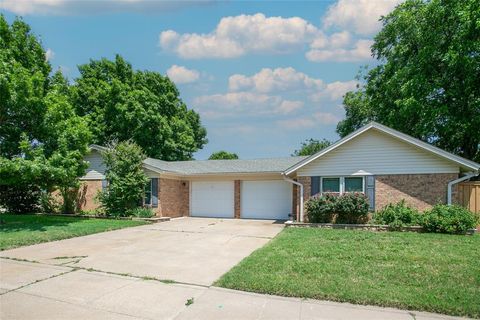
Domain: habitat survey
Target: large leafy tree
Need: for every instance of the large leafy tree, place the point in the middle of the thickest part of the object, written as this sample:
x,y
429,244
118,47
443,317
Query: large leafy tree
x,y
121,104
427,82
223,155
311,146
42,140
24,81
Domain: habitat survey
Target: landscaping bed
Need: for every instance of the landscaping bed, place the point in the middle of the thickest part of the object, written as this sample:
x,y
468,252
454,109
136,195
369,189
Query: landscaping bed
x,y
27,229
416,271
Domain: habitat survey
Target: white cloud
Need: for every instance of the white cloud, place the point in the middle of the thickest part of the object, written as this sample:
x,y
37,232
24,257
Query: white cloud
x,y
238,35
325,118
334,90
66,7
270,80
233,104
358,52
49,54
358,16
180,74
289,80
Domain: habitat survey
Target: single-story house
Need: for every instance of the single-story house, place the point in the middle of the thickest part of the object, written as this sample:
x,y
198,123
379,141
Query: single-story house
x,y
383,163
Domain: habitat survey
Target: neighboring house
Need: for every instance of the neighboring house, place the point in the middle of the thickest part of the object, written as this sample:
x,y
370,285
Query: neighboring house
x,y
383,163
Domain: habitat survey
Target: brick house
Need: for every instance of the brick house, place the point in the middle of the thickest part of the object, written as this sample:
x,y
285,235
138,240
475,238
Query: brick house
x,y
383,163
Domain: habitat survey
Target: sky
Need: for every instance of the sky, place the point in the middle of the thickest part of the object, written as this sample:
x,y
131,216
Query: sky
x,y
263,75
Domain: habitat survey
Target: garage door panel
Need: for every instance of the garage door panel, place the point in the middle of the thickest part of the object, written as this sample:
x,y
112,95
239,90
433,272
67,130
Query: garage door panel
x,y
212,199
270,199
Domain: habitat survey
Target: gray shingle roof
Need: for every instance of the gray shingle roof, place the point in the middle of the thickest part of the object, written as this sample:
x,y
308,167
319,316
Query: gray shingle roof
x,y
270,165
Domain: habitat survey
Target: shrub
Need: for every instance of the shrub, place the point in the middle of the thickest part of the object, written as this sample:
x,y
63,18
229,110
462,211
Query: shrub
x,y
141,212
351,208
321,209
397,215
21,198
448,219
125,176
334,208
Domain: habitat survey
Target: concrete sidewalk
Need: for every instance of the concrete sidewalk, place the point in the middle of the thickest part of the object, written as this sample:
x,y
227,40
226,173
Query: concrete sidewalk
x,y
42,291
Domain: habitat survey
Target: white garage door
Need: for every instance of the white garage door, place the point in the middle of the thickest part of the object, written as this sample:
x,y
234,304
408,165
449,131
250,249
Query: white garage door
x,y
212,199
266,199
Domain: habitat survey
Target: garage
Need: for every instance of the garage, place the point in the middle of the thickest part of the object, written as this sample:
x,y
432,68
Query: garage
x,y
212,199
268,199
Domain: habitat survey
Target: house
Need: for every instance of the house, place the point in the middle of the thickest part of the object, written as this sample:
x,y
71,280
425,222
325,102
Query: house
x,y
383,163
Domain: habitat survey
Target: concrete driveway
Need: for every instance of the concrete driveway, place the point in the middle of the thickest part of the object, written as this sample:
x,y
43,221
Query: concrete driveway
x,y
160,271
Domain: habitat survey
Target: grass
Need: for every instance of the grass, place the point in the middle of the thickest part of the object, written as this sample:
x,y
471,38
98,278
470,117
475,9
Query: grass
x,y
429,272
24,230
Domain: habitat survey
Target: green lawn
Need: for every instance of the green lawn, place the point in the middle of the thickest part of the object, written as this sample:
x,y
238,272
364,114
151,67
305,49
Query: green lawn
x,y
430,272
23,230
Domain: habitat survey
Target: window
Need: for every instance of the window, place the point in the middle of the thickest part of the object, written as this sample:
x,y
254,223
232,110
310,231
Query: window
x,y
147,198
331,185
353,184
342,184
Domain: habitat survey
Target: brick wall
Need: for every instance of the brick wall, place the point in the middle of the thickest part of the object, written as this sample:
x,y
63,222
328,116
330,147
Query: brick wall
x,y
305,181
420,191
173,198
87,193
237,199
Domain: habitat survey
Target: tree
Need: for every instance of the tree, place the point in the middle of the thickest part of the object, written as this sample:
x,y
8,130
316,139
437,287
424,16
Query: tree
x,y
24,81
122,104
66,143
427,83
42,140
125,176
311,146
223,155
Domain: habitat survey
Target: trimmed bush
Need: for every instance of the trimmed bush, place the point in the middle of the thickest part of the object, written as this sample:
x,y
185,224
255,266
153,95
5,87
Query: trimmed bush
x,y
397,216
448,219
351,208
321,209
334,208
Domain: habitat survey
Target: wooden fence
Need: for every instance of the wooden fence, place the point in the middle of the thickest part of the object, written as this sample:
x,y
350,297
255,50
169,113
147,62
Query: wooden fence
x,y
469,195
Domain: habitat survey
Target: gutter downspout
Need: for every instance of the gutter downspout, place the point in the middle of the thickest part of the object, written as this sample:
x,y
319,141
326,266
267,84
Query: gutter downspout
x,y
301,193
451,183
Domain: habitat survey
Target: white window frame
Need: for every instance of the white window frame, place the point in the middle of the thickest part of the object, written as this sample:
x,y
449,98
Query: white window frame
x,y
342,183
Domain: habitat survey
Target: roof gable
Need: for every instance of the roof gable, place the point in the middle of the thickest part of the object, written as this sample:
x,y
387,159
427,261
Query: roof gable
x,y
465,164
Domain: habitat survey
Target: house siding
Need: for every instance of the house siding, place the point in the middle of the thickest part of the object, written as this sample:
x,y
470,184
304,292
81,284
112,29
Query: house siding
x,y
374,152
420,191
96,168
173,198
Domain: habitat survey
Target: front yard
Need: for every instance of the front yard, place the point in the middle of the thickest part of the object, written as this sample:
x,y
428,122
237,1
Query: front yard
x,y
429,272
23,230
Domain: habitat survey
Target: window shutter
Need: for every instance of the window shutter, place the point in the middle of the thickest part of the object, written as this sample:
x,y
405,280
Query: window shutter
x,y
314,185
370,191
155,192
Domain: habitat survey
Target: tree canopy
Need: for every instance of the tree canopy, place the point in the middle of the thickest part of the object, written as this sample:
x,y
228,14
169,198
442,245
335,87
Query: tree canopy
x,y
427,82
121,104
311,146
223,155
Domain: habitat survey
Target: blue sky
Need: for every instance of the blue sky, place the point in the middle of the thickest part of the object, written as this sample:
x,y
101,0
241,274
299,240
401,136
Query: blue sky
x,y
264,75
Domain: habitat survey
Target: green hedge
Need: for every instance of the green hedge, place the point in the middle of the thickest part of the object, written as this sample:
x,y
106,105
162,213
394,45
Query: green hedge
x,y
441,218
335,208
448,219
397,216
